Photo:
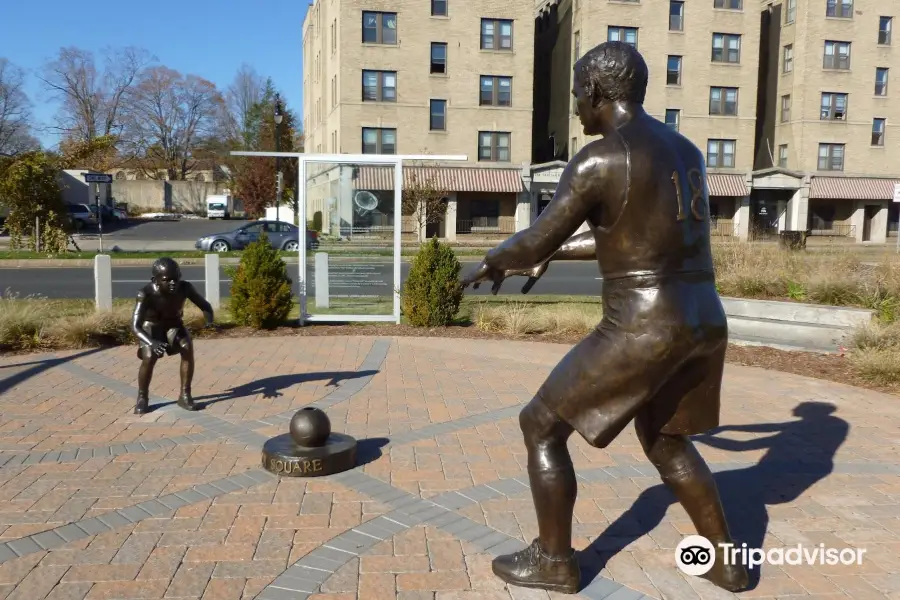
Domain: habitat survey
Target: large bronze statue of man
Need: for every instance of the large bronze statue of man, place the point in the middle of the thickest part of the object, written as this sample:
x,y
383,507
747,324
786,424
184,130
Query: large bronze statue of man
x,y
658,354
158,324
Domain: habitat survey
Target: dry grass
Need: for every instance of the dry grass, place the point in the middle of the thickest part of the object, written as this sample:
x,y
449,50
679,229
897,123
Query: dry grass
x,y
35,323
515,318
837,276
876,354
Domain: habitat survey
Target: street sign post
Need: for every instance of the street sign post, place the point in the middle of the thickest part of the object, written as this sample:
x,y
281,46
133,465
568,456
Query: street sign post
x,y
97,179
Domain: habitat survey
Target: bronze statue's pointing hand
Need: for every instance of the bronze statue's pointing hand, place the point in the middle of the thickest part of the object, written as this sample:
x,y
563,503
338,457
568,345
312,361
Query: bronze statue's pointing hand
x,y
485,272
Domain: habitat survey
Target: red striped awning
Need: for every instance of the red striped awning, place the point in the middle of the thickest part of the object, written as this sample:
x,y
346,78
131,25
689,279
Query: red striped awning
x,y
852,188
451,179
721,184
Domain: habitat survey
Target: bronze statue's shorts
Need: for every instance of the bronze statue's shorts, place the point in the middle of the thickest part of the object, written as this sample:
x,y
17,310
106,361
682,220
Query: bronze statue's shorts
x,y
165,334
657,356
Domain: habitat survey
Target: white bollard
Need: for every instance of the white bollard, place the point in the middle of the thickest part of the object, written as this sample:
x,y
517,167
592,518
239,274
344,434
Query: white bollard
x,y
103,282
321,280
213,286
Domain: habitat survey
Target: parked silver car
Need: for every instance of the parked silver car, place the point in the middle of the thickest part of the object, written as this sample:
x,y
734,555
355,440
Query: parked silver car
x,y
282,236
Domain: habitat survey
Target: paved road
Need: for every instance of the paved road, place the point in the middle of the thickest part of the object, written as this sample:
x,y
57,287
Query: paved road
x,y
580,278
186,230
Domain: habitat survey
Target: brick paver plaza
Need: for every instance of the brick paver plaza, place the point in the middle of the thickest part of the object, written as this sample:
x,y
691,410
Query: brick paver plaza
x,y
98,503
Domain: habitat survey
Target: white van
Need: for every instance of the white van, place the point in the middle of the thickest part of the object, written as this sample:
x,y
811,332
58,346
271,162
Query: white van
x,y
219,206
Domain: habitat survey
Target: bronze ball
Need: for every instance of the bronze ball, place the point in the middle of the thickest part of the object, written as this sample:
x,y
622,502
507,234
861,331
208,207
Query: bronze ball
x,y
310,427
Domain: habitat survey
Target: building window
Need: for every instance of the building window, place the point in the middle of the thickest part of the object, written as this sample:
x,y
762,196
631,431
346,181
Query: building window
x,y
834,107
673,118
334,36
881,81
496,35
839,8
788,62
673,70
782,156
379,141
791,13
726,48
577,45
831,157
438,121
676,15
729,4
837,55
629,35
885,24
878,132
785,108
720,154
493,146
723,101
438,8
574,146
379,28
334,92
438,57
495,91
379,86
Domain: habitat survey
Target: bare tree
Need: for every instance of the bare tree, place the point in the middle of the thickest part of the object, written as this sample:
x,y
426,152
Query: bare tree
x,y
15,111
241,98
92,100
168,118
425,199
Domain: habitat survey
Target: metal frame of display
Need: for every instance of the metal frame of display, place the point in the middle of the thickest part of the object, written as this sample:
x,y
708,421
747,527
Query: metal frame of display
x,y
395,160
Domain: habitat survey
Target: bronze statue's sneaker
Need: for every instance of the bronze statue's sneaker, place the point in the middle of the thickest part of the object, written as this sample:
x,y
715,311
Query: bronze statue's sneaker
x,y
731,577
142,406
185,401
532,568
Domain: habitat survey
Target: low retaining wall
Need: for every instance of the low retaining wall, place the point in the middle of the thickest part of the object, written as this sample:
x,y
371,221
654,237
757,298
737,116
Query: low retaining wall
x,y
793,325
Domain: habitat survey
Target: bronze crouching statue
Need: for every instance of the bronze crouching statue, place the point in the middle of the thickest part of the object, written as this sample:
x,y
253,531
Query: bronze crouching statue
x,y
657,356
158,324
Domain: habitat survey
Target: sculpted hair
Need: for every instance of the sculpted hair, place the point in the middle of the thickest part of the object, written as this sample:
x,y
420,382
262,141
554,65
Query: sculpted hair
x,y
613,71
166,265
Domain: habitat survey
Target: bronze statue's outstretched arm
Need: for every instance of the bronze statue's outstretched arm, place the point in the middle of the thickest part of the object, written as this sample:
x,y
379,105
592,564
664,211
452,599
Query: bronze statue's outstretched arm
x,y
578,247
563,216
194,296
138,317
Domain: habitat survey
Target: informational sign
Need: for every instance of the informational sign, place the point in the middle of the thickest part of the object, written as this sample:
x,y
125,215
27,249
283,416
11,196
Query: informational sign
x,y
897,192
359,227
97,178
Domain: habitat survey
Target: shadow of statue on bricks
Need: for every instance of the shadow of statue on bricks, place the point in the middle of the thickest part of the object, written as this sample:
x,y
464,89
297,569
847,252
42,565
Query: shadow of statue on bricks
x,y
798,455
272,387
36,367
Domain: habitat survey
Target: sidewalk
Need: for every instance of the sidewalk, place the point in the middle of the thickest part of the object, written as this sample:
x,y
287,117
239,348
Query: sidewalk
x,y
98,503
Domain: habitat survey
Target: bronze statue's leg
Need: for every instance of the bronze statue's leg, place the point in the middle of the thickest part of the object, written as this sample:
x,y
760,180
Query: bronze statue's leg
x,y
549,563
186,349
551,475
145,374
685,472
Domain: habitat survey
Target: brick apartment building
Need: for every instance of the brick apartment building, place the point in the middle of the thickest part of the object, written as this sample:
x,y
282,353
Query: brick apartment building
x,y
790,100
420,77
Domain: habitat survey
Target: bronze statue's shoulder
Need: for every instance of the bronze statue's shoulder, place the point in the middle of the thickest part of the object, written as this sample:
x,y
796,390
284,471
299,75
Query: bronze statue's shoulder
x,y
145,291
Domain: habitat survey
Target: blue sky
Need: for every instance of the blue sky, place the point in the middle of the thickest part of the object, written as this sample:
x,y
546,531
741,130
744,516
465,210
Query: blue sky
x,y
209,38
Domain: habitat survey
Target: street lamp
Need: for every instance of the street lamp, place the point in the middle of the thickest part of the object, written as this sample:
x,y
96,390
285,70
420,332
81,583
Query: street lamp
x,y
279,117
